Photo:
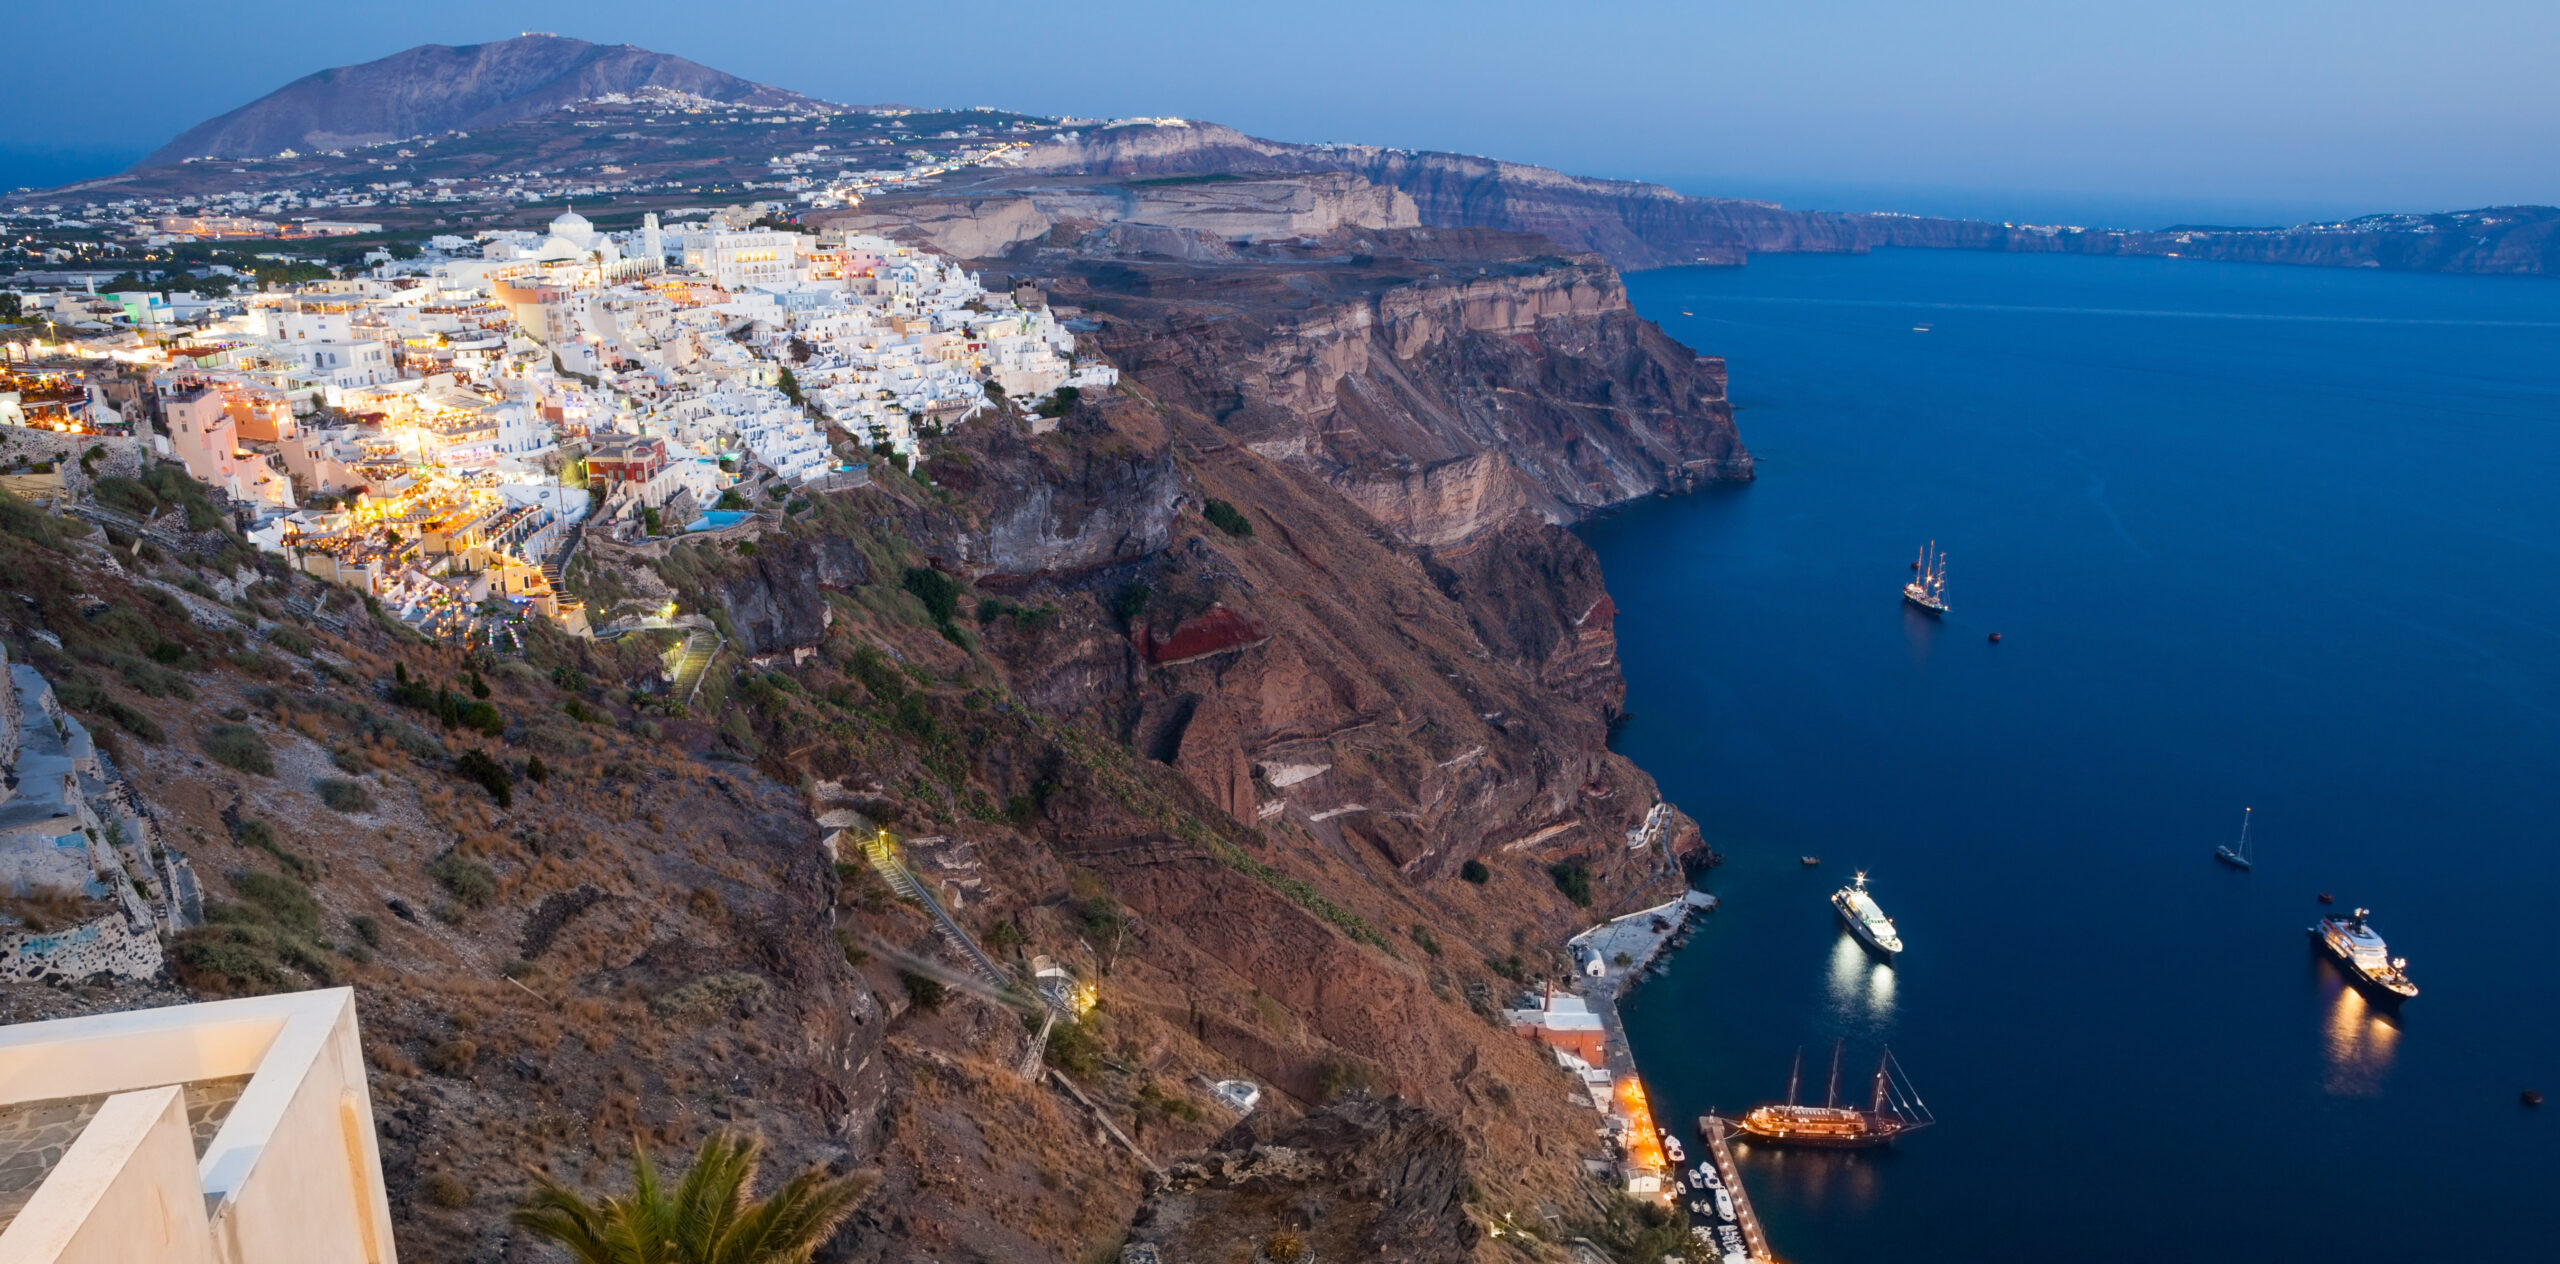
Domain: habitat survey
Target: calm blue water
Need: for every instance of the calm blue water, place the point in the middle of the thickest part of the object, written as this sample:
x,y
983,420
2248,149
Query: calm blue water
x,y
2282,538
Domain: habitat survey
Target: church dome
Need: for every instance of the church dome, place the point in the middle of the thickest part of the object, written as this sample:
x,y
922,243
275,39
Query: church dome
x,y
571,225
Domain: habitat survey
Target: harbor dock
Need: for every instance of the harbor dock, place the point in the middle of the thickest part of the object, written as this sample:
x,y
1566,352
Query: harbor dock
x,y
1755,1243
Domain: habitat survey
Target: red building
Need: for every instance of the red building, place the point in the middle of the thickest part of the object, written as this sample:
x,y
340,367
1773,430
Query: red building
x,y
626,459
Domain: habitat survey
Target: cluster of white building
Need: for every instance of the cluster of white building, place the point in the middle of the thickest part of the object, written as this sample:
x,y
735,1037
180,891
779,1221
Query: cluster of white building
x,y
437,432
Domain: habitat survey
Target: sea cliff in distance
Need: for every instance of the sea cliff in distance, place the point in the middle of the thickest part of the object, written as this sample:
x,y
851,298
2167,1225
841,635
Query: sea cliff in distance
x,y
1640,225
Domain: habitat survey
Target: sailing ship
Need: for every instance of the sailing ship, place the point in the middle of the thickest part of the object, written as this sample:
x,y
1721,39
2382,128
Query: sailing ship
x,y
2368,960
2237,858
1892,1109
1865,918
1929,592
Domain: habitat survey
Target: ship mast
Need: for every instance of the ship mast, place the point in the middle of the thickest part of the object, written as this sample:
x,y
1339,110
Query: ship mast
x,y
2244,832
1878,1107
1795,1074
1831,1096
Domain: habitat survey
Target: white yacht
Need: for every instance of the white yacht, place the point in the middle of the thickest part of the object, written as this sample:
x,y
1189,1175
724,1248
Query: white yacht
x,y
1864,918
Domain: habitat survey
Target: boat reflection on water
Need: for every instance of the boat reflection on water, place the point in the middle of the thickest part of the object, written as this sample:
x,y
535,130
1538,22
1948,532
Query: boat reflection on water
x,y
1821,1182
2360,1041
1861,985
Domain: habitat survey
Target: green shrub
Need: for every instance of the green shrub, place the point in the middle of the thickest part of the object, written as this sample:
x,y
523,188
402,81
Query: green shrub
x,y
238,747
1227,518
1475,871
926,992
537,771
1132,602
1074,1047
228,960
492,776
1572,878
1061,403
940,593
343,795
367,929
471,883
284,900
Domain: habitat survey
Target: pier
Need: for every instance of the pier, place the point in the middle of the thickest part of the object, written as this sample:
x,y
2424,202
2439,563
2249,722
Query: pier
x,y
1755,1243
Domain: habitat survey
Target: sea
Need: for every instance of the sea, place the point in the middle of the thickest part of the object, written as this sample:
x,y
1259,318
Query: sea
x,y
2276,539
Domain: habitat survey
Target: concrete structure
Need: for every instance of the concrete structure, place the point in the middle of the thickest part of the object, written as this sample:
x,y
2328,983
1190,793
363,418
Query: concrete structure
x,y
232,1132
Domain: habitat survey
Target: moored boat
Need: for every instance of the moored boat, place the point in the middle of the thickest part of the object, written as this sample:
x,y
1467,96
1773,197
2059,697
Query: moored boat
x,y
1892,1110
1929,592
2367,960
2237,858
1865,919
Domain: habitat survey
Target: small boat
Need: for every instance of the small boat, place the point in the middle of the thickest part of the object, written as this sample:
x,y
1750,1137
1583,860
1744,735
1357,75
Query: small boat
x,y
2237,858
2327,898
2530,1097
1919,329
1808,861
1671,1148
1995,638
1724,1205
1929,592
1865,918
2359,948
1892,1110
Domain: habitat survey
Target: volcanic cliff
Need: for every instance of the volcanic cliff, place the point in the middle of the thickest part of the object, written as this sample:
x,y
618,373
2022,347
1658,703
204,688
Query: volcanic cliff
x,y
1303,788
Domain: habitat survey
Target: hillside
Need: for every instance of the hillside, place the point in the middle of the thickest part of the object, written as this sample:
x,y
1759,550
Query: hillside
x,y
1284,783
441,87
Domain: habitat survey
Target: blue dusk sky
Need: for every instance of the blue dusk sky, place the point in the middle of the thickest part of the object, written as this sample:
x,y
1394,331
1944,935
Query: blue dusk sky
x,y
2255,111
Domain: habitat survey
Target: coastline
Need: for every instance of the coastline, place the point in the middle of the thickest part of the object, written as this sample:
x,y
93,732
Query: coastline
x,y
1610,959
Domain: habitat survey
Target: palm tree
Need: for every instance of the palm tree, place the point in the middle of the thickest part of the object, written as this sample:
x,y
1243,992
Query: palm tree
x,y
710,1217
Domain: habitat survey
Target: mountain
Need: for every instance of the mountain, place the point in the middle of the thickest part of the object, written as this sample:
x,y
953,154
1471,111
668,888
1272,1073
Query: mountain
x,y
443,87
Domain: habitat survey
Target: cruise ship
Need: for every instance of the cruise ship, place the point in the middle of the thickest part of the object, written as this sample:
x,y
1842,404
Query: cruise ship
x,y
2359,948
1929,592
1859,912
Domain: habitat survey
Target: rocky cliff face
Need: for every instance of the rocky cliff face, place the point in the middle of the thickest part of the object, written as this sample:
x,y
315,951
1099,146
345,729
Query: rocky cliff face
x,y
1362,1180
1190,216
439,87
1443,389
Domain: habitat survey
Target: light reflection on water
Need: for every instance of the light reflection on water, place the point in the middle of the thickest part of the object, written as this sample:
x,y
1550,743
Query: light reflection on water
x,y
1861,986
1824,1182
2360,1040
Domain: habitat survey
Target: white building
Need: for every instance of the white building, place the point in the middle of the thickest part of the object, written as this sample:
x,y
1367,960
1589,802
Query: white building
x,y
736,260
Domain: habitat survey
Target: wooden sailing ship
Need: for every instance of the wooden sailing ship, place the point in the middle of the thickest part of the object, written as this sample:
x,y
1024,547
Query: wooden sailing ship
x,y
1893,1108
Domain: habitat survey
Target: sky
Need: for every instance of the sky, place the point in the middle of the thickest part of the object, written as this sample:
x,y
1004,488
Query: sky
x,y
2120,115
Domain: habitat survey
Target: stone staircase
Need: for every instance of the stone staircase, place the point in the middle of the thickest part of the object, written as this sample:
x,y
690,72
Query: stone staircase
x,y
883,854
699,649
